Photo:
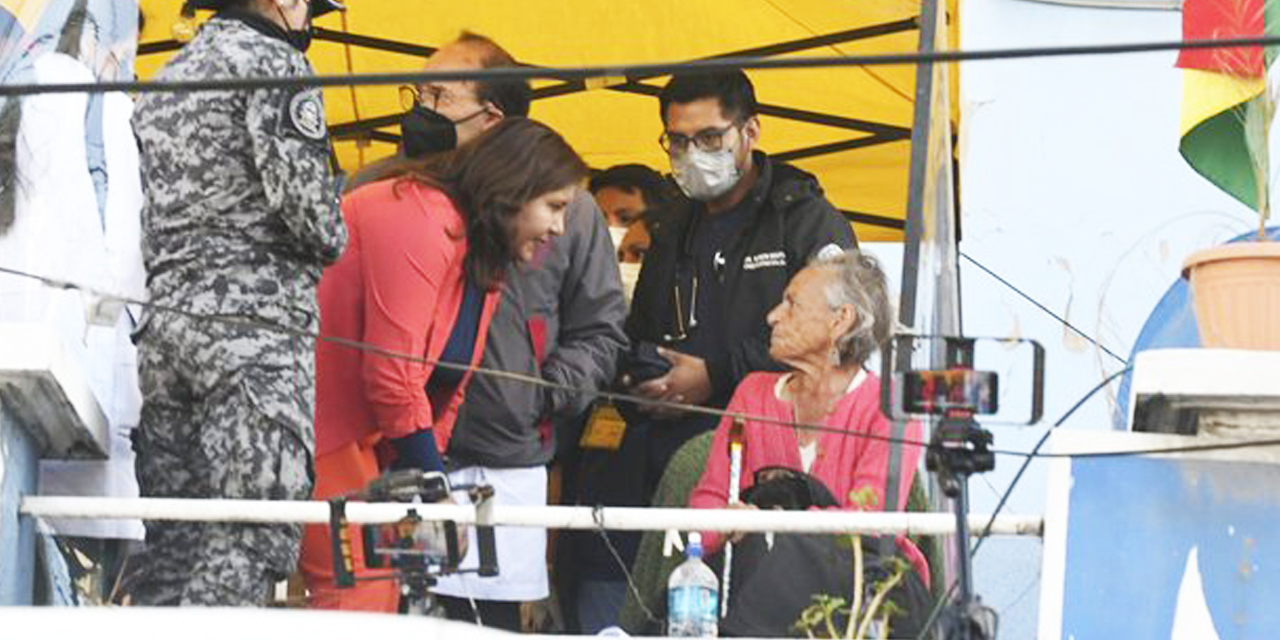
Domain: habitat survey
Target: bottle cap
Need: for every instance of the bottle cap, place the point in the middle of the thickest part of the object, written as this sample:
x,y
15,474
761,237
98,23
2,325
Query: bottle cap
x,y
693,549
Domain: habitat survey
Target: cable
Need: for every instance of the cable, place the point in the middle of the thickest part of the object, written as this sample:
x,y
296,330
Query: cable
x,y
612,395
1043,308
597,515
982,535
1035,451
630,70
508,375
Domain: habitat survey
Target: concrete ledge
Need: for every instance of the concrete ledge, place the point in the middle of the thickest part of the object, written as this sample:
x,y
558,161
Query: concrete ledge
x,y
49,394
1194,391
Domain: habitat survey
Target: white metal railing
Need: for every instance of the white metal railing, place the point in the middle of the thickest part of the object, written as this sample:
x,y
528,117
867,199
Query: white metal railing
x,y
550,517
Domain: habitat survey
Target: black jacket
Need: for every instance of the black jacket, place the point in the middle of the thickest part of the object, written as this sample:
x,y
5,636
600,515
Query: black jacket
x,y
788,222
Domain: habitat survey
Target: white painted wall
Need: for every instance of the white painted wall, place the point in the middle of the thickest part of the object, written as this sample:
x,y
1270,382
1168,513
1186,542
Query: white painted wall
x,y
1071,188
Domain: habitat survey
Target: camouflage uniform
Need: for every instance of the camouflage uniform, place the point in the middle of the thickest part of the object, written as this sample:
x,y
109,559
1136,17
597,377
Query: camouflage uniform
x,y
240,218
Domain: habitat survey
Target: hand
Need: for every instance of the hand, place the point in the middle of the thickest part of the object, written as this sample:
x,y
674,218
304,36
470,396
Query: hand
x,y
537,616
736,536
687,383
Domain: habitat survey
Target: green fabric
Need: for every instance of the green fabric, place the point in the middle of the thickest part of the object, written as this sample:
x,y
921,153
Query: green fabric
x,y
918,501
1217,150
651,568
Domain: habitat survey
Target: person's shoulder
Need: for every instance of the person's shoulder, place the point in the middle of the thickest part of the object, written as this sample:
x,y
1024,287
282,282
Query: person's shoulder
x,y
760,384
866,399
249,50
583,216
667,222
398,195
793,189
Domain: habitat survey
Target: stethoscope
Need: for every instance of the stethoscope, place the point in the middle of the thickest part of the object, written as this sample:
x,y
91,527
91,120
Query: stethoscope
x,y
718,263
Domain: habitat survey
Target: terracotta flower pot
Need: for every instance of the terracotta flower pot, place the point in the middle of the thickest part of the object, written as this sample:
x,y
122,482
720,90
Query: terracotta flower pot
x,y
1236,289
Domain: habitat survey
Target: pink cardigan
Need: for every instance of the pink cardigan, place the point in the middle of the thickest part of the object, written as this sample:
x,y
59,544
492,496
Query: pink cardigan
x,y
397,287
846,464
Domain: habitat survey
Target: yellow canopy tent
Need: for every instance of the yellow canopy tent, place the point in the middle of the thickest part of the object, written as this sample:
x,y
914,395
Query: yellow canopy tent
x,y
851,126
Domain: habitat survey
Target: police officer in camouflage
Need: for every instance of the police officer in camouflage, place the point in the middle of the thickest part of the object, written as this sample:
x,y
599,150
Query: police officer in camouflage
x,y
241,217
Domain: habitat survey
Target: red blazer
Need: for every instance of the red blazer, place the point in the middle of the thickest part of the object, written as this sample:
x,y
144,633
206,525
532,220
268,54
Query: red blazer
x,y
397,288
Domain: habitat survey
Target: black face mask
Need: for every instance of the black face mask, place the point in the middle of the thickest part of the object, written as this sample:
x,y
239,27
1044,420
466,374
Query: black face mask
x,y
299,38
424,131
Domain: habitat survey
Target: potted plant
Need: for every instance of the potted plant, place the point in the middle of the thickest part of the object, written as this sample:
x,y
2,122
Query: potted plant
x,y
1228,110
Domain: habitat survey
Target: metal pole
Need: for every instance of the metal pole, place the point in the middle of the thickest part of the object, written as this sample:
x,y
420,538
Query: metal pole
x,y
613,518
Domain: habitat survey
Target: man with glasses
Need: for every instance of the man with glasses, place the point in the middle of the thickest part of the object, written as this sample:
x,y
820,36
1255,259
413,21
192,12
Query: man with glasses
x,y
719,261
440,115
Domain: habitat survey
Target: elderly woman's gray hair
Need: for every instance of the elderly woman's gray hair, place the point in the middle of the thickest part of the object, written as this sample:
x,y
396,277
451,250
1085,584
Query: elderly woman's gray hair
x,y
859,281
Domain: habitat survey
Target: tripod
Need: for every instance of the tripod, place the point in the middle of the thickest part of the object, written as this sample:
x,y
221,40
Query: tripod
x,y
960,448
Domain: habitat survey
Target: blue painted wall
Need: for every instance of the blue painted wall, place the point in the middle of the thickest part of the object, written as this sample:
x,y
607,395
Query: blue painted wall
x,y
18,475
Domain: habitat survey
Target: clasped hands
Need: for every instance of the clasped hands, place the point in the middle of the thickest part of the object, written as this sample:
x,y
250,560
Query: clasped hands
x,y
687,382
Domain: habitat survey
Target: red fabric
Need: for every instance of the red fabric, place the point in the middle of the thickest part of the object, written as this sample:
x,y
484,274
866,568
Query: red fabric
x,y
846,464
1220,20
339,473
397,288
538,335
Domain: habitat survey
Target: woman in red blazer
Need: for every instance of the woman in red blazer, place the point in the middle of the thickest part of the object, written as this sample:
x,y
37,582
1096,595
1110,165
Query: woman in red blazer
x,y
428,248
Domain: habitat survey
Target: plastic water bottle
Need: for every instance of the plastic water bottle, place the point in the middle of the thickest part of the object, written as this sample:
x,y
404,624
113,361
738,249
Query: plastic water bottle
x,y
693,599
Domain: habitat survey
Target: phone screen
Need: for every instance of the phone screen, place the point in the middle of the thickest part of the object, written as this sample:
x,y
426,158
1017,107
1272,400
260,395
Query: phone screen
x,y
950,391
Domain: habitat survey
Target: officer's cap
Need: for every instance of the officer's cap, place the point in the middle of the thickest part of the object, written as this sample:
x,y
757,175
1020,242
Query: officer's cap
x,y
318,7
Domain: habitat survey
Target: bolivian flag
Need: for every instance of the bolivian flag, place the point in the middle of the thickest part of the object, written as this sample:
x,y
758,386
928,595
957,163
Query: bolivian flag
x,y
1223,91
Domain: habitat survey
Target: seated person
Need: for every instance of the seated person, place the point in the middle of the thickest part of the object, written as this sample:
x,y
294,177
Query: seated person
x,y
833,315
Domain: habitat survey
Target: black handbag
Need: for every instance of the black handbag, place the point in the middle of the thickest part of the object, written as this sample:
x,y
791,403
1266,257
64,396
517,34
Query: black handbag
x,y
774,584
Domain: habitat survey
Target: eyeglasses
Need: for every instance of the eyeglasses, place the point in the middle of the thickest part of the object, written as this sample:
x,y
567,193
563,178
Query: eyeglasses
x,y
707,140
430,96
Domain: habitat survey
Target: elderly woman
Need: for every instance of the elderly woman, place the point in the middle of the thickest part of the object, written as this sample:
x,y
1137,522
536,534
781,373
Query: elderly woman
x,y
833,316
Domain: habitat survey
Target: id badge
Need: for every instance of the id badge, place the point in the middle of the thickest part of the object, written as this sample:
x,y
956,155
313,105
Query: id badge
x,y
605,429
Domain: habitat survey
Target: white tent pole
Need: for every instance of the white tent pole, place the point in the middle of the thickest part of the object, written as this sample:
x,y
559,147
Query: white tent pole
x,y
553,517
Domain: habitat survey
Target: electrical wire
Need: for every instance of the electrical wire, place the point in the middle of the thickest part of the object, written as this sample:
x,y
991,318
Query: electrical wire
x,y
629,70
1066,323
1035,451
982,534
612,396
495,373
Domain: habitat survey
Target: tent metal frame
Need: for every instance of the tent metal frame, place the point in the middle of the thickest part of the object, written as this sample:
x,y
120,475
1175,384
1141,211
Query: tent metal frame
x,y
875,133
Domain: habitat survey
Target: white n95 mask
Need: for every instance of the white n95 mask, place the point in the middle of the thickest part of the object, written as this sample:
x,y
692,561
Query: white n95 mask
x,y
630,275
705,175
617,234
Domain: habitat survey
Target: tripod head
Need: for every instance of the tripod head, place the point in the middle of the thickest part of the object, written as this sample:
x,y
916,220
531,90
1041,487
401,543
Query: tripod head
x,y
418,550
959,448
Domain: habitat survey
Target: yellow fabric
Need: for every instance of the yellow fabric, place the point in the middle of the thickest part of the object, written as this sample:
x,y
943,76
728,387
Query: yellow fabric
x,y
608,127
26,12
1206,94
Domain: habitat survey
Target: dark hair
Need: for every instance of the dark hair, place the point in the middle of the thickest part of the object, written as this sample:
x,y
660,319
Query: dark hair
x,y
490,179
512,95
655,189
732,88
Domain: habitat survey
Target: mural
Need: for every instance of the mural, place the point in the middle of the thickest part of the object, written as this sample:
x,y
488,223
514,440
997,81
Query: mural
x,y
101,34
70,197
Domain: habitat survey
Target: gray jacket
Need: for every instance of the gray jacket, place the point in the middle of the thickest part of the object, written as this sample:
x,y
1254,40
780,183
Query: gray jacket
x,y
560,318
